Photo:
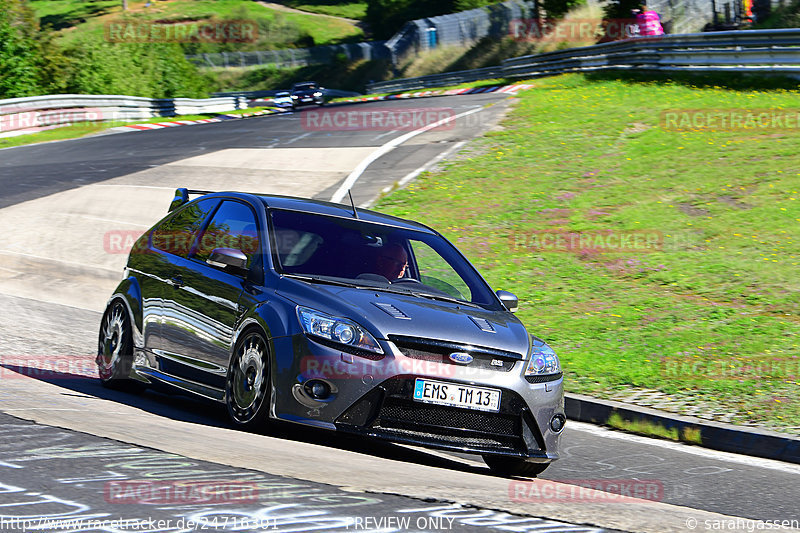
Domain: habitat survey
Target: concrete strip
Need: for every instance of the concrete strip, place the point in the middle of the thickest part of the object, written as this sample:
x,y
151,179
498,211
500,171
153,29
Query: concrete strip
x,y
70,247
715,435
23,396
295,159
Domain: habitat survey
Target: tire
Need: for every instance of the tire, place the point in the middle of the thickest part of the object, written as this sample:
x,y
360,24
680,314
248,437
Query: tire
x,y
511,466
247,387
115,350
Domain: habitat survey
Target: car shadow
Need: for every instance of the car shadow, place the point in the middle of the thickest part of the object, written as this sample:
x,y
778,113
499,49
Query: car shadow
x,y
184,408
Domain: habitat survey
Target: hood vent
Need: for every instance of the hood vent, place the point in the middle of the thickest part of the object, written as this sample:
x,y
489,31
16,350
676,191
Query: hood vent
x,y
392,311
483,324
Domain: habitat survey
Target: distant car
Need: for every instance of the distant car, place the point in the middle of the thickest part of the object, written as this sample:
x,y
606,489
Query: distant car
x,y
343,319
282,99
307,93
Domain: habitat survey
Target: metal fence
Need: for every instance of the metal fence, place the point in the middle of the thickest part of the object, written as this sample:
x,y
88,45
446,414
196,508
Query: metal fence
x,y
464,28
41,112
753,51
294,57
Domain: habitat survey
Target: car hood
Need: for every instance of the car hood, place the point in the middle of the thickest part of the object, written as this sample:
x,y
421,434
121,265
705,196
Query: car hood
x,y
386,314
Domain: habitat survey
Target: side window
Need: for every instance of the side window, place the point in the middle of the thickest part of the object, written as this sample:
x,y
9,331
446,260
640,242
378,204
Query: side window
x,y
176,234
435,272
232,226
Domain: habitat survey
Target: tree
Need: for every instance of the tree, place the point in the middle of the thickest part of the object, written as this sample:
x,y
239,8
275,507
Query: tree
x,y
18,50
621,9
556,9
386,17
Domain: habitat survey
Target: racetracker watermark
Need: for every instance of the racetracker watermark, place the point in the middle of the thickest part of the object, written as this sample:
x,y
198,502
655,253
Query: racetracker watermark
x,y
10,120
225,31
730,119
586,491
178,242
179,492
741,370
328,367
380,119
47,367
547,31
638,241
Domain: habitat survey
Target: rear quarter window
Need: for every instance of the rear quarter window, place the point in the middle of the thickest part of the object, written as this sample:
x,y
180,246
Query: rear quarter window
x,y
176,234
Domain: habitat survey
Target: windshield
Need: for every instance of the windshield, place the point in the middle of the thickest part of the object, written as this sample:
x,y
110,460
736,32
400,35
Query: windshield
x,y
305,86
350,251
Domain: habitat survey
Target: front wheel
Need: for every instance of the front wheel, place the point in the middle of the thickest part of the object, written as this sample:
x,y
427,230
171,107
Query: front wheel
x,y
115,350
512,466
247,388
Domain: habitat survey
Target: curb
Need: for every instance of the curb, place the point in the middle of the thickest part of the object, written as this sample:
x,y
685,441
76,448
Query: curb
x,y
714,435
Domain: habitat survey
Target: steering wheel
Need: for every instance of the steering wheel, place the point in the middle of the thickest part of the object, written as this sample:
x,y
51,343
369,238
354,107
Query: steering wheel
x,y
406,280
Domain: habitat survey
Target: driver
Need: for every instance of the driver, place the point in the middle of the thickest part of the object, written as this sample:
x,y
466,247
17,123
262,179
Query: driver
x,y
392,262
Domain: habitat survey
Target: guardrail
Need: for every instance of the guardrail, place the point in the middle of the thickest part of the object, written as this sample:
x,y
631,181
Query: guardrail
x,y
43,112
436,80
250,95
747,51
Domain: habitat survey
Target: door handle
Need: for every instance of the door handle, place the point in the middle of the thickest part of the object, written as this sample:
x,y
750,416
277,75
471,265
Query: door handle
x,y
176,281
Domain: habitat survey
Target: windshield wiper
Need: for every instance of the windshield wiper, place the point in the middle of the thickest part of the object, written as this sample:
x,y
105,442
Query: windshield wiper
x,y
444,298
321,279
394,290
419,294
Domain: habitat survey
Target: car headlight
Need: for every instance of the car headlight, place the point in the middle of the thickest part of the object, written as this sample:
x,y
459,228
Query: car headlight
x,y
317,93
339,330
543,360
294,97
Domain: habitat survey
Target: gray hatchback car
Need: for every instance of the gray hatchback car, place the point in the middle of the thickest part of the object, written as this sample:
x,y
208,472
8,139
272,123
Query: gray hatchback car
x,y
320,314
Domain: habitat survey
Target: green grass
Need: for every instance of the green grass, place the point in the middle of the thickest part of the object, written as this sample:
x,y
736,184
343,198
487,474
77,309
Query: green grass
x,y
689,435
76,17
711,316
350,10
643,427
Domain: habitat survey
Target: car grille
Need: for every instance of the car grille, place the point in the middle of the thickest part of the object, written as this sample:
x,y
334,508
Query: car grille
x,y
439,352
449,424
389,412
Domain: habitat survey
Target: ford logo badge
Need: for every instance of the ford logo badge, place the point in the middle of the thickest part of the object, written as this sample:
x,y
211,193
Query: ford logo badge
x,y
461,358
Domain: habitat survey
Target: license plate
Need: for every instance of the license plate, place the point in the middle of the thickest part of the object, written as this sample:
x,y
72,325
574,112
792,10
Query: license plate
x,y
453,394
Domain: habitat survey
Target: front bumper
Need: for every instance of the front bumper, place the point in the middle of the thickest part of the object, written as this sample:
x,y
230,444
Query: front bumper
x,y
389,413
311,100
373,397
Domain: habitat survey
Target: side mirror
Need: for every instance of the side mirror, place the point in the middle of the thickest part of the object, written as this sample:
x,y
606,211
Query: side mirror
x,y
228,258
509,299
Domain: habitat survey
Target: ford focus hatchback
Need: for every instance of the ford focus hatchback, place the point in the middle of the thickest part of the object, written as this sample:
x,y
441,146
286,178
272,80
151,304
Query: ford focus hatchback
x,y
320,314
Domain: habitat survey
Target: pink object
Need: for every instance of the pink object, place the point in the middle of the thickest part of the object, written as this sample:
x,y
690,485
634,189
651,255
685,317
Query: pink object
x,y
649,24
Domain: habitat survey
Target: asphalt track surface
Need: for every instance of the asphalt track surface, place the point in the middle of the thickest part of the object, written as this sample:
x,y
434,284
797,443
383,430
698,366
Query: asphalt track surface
x,y
686,476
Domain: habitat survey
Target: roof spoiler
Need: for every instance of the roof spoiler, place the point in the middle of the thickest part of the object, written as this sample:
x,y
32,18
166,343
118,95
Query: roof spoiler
x,y
182,197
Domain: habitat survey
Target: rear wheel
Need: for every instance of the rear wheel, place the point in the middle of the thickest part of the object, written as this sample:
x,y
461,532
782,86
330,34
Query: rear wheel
x,y
512,466
115,350
247,389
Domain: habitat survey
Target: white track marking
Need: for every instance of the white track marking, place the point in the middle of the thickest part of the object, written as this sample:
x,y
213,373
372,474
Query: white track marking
x,y
686,448
294,139
413,174
388,147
